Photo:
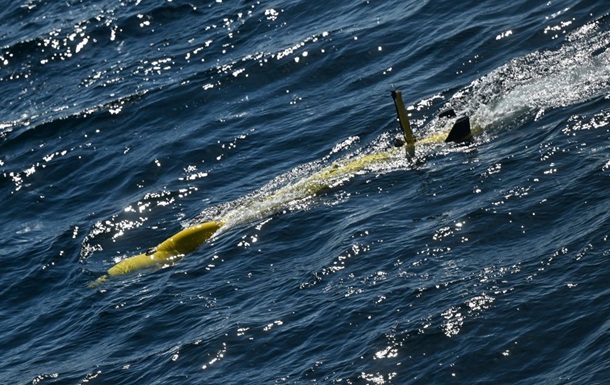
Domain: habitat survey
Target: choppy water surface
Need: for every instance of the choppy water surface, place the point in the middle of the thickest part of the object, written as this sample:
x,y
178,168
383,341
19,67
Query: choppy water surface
x,y
123,122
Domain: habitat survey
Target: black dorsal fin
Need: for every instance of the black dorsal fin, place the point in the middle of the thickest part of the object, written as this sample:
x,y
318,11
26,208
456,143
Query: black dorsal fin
x,y
460,132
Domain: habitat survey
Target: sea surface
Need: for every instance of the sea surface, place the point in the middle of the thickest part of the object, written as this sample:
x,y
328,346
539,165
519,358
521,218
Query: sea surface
x,y
123,122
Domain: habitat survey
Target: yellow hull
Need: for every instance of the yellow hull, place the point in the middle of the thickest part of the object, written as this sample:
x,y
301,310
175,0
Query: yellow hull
x,y
176,246
189,239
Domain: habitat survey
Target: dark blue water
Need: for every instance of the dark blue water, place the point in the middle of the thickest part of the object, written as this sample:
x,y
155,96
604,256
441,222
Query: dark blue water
x,y
123,122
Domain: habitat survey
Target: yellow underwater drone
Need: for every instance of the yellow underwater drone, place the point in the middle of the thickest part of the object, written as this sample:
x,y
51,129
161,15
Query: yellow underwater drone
x,y
189,239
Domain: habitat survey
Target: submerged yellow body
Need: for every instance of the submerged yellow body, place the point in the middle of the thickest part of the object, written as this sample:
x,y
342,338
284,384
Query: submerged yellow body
x,y
189,239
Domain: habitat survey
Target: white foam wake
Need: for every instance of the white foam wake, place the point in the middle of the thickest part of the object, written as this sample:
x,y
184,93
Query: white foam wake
x,y
525,87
